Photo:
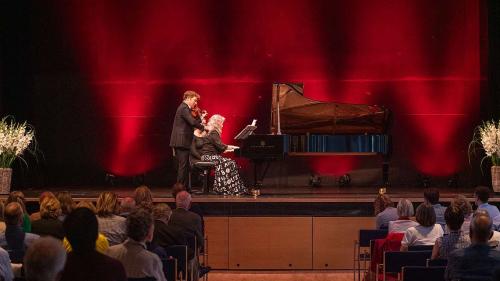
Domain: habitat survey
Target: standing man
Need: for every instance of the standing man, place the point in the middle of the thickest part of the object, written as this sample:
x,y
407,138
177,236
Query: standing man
x,y
182,133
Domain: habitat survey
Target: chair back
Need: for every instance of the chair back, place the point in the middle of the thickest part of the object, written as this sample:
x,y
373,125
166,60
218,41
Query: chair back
x,y
421,273
421,248
394,261
179,252
170,268
437,262
366,235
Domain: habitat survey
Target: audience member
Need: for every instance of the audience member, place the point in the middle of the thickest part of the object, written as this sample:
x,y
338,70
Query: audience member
x,y
84,262
127,204
478,260
188,221
463,204
49,224
101,243
87,204
143,197
405,211
431,196
455,238
6,273
191,225
166,234
110,224
384,211
194,207
424,234
36,216
494,239
2,219
137,260
67,203
44,260
482,195
15,238
18,196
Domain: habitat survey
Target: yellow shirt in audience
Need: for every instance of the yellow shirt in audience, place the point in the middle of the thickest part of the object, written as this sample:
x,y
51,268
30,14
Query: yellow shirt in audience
x,y
101,244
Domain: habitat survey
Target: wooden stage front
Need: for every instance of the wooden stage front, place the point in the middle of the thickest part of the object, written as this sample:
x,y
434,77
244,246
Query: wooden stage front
x,y
293,228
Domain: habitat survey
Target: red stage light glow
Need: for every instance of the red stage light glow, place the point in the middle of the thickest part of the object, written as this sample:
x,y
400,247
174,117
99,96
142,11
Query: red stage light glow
x,y
419,58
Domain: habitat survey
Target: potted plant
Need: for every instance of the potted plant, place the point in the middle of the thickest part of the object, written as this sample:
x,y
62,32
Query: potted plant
x,y
487,136
15,139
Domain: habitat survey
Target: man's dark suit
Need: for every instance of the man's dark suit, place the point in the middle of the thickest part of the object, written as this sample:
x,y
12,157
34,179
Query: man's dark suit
x,y
181,139
166,235
189,222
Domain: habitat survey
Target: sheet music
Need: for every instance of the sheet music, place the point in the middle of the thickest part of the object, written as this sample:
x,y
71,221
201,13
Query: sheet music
x,y
248,130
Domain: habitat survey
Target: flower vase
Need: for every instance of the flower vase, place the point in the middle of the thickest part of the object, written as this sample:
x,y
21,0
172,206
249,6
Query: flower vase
x,y
5,180
495,178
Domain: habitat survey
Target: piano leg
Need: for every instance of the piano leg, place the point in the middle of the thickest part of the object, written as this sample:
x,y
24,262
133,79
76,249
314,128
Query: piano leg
x,y
258,178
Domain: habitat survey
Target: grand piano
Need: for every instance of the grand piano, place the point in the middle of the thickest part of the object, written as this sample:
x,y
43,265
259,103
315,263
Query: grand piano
x,y
304,127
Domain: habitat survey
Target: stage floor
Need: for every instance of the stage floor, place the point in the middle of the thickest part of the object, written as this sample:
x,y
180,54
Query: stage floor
x,y
268,194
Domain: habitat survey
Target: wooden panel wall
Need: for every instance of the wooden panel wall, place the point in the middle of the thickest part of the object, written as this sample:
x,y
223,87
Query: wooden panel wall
x,y
270,243
333,240
283,242
216,231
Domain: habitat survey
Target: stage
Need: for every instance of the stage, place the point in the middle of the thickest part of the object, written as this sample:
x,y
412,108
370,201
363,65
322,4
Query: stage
x,y
273,201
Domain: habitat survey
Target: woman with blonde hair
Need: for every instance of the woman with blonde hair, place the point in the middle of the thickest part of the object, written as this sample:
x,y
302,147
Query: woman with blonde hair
x,y
49,224
67,203
110,224
87,204
143,196
227,178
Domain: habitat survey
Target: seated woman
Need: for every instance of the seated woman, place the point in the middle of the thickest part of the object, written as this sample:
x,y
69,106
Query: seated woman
x,y
227,179
455,238
424,234
49,224
463,204
405,211
384,211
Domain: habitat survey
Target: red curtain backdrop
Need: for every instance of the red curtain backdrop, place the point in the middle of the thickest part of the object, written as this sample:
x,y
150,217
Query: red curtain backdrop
x,y
420,58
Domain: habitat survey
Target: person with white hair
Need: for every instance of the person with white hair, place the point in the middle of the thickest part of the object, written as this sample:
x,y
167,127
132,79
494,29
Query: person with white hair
x,y
227,178
44,260
405,211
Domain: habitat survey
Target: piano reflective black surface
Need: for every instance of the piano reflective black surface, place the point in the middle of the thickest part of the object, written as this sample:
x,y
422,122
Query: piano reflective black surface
x,y
304,127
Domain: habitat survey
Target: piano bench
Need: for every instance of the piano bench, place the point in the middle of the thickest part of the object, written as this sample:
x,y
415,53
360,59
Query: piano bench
x,y
205,167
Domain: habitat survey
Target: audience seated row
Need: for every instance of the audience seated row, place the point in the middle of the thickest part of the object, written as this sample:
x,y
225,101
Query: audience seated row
x,y
107,242
468,240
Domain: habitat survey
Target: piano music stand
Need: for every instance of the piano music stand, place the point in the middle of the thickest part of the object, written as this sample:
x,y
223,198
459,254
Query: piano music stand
x,y
248,130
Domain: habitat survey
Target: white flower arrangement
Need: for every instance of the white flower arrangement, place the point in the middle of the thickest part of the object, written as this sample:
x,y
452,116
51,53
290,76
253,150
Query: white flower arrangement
x,y
488,136
15,138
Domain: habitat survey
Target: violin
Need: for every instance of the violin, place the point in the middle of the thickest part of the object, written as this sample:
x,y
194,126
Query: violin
x,y
198,113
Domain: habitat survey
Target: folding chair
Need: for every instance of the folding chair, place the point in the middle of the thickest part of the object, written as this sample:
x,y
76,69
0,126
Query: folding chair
x,y
179,252
437,262
364,241
420,248
205,257
170,269
421,273
394,261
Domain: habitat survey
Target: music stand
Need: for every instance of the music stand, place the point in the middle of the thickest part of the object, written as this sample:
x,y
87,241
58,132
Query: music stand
x,y
248,130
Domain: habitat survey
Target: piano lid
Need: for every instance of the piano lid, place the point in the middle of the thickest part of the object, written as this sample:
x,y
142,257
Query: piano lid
x,y
300,115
